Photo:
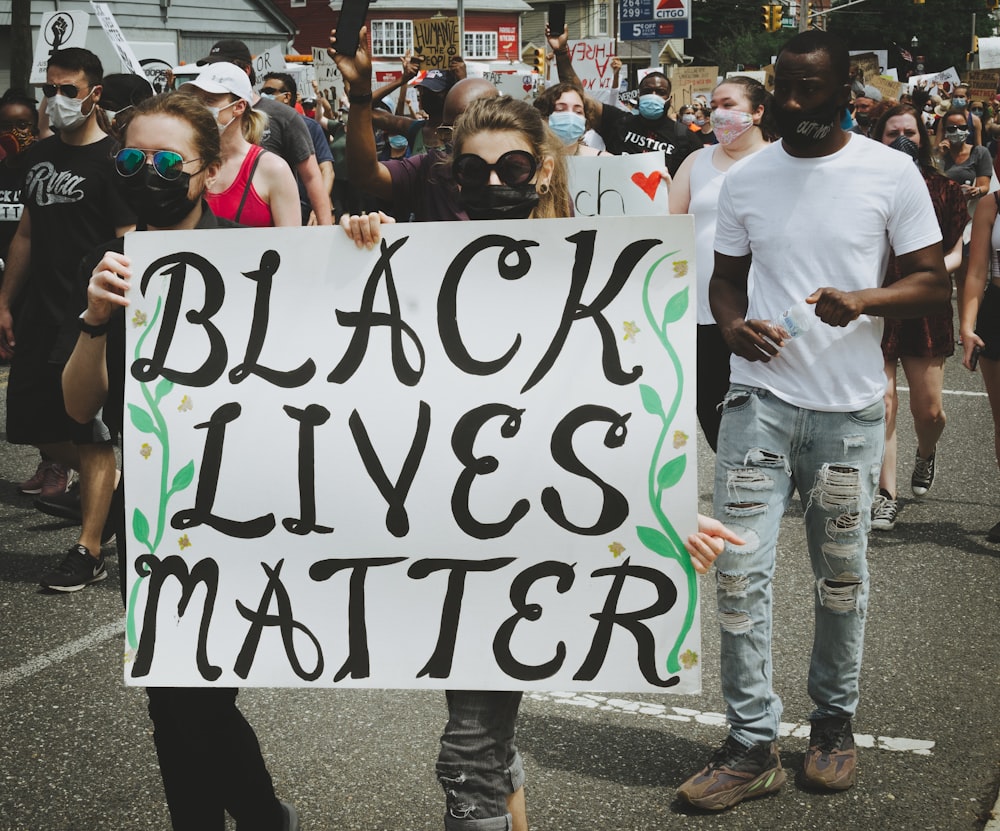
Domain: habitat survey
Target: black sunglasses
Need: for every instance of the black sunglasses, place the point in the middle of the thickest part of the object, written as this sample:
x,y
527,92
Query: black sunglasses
x,y
516,167
272,91
167,164
69,90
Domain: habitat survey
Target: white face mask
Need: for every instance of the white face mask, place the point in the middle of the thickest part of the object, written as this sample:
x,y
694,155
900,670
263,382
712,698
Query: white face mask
x,y
215,114
729,125
67,113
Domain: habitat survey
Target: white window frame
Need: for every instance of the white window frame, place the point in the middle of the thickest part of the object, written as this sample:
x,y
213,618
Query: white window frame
x,y
602,18
481,46
395,45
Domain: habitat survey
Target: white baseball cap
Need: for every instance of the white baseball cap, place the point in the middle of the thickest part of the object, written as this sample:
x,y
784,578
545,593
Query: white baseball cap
x,y
217,78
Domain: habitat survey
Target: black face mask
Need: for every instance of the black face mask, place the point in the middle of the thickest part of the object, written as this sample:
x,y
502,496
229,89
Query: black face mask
x,y
155,200
499,201
806,128
908,146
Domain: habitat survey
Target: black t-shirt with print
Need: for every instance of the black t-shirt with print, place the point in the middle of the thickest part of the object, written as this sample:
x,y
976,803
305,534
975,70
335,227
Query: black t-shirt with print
x,y
627,133
72,199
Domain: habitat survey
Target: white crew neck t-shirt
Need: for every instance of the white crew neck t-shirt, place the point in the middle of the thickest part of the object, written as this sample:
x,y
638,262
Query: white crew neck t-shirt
x,y
812,223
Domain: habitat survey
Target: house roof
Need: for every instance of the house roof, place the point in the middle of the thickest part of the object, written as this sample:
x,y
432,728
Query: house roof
x,y
445,6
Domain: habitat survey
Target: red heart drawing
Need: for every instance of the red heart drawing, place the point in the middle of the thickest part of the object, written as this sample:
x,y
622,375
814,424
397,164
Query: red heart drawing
x,y
647,184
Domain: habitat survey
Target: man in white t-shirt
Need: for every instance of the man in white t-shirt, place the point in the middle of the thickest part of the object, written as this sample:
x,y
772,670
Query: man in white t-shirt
x,y
816,214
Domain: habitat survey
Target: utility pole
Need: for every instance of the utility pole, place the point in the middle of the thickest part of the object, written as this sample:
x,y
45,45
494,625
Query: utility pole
x,y
803,15
20,44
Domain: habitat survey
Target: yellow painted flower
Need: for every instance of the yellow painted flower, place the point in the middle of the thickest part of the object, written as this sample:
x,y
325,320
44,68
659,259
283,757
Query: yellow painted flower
x,y
631,330
680,439
616,548
139,318
680,268
184,542
146,450
689,659
185,405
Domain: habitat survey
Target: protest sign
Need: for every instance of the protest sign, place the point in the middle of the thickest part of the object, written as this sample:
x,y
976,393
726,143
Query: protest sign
x,y
435,39
983,84
938,83
886,86
325,68
464,459
126,57
57,30
989,53
592,62
271,59
689,81
627,185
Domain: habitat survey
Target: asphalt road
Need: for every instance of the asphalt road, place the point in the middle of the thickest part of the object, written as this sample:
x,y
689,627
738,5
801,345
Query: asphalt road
x,y
76,750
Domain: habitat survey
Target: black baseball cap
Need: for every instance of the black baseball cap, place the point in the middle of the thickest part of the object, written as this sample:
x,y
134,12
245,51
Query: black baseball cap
x,y
227,50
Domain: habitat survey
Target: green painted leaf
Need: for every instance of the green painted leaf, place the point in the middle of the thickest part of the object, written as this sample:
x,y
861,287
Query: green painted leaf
x,y
142,420
184,477
163,388
676,307
670,474
651,400
140,527
655,541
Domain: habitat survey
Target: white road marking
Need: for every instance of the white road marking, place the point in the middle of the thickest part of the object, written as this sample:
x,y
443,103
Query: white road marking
x,y
593,701
9,677
972,393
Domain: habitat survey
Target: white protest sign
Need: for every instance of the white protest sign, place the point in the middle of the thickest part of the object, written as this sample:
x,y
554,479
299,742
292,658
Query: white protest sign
x,y
129,62
326,70
937,83
465,459
627,185
271,59
989,53
592,62
58,30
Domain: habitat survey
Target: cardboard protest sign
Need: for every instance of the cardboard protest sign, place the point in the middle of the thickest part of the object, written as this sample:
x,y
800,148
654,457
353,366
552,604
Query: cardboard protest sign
x,y
868,64
689,81
57,30
886,86
627,185
435,39
464,459
983,84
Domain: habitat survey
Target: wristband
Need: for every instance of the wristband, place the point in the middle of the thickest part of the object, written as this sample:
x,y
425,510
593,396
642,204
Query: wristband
x,y
360,99
91,329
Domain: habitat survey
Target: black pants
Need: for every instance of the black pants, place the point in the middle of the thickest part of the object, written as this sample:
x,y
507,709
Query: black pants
x,y
210,761
713,380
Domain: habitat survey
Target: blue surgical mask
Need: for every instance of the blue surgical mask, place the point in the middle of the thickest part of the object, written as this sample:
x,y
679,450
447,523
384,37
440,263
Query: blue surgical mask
x,y
958,102
398,142
651,106
569,126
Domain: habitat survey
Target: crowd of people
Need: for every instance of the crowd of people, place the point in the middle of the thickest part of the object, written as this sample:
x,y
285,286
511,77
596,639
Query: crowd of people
x,y
104,156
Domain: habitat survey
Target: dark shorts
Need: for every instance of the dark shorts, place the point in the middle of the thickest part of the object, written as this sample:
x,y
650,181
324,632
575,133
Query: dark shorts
x,y
36,413
988,322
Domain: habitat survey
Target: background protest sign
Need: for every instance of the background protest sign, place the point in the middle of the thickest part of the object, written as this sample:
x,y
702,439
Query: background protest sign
x,y
57,30
983,84
592,62
689,81
938,83
129,62
435,39
464,459
617,185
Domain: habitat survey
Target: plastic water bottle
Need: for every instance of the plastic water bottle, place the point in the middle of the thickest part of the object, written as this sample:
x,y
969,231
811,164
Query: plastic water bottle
x,y
798,319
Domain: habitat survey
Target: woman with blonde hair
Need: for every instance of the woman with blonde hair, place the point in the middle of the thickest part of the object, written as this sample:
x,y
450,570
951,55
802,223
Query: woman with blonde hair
x,y
254,187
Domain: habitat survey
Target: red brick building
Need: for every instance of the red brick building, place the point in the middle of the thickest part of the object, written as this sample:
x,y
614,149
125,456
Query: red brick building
x,y
492,27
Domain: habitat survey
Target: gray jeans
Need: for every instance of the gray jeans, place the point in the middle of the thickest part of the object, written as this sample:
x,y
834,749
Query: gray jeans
x,y
479,766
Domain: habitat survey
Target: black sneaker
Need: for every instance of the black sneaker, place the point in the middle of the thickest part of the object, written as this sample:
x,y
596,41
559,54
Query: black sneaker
x,y
65,505
885,509
993,535
831,761
289,818
734,773
79,569
923,475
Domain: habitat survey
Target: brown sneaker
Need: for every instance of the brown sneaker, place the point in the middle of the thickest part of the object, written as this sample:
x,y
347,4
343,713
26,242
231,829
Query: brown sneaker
x,y
831,761
734,773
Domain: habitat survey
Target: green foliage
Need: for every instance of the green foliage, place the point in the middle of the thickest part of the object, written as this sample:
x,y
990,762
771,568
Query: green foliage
x,y
729,32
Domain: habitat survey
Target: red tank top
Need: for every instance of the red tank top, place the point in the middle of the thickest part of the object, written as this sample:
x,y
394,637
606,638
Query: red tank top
x,y
256,213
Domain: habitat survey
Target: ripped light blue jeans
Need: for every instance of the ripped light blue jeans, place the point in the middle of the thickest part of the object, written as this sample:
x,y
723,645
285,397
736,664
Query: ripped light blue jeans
x,y
767,450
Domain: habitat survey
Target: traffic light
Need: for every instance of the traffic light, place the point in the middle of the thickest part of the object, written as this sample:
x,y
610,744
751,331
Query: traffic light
x,y
918,2
538,61
765,17
770,16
